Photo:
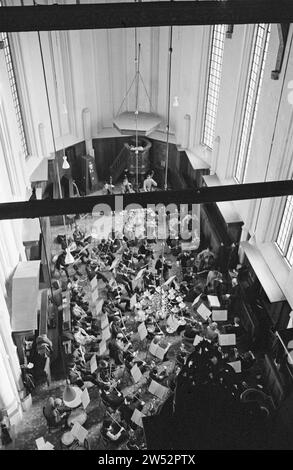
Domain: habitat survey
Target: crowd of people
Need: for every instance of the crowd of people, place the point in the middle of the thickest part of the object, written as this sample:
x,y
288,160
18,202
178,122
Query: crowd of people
x,y
149,184
140,285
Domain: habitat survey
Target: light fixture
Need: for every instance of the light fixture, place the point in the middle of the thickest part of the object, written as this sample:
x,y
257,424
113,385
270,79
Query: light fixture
x,y
69,258
65,164
175,102
72,396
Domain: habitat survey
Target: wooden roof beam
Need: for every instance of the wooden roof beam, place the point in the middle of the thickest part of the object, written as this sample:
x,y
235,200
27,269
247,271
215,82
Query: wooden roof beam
x,y
82,205
143,14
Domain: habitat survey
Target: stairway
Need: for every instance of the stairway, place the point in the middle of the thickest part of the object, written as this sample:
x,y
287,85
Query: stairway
x,y
118,165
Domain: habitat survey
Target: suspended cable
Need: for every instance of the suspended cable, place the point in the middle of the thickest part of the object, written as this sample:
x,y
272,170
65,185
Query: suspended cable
x,y
145,89
168,105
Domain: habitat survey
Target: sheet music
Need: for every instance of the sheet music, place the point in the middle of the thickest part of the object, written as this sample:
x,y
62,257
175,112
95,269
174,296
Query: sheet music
x,y
48,446
95,295
139,274
137,417
227,340
85,398
169,280
133,301
160,351
100,285
79,432
115,262
102,348
158,390
94,283
106,334
236,366
153,348
136,373
99,306
142,331
197,299
197,339
220,315
134,283
213,301
104,321
203,311
40,443
93,363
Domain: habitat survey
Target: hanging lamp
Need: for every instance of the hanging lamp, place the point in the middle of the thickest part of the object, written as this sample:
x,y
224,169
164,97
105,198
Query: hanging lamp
x,y
175,102
69,259
65,164
71,395
130,122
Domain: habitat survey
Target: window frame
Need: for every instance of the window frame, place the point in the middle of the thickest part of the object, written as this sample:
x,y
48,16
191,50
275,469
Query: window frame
x,y
16,97
251,100
284,237
213,83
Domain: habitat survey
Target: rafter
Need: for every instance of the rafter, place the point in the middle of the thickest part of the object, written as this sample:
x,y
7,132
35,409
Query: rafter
x,y
82,205
143,14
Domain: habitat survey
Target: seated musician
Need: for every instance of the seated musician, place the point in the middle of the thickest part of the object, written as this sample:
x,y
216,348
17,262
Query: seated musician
x,y
184,288
81,336
103,375
78,354
115,326
130,360
78,374
236,328
212,332
213,275
115,351
188,276
112,396
158,376
78,235
54,412
122,342
132,443
206,259
61,408
113,432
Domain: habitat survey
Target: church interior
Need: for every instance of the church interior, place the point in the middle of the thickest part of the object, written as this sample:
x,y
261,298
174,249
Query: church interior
x,y
146,225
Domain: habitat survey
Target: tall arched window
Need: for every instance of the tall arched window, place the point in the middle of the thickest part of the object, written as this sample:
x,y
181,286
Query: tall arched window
x,y
15,92
285,233
260,46
213,84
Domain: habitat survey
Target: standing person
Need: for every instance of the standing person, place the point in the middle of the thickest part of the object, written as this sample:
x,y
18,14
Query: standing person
x,y
108,187
126,185
149,183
